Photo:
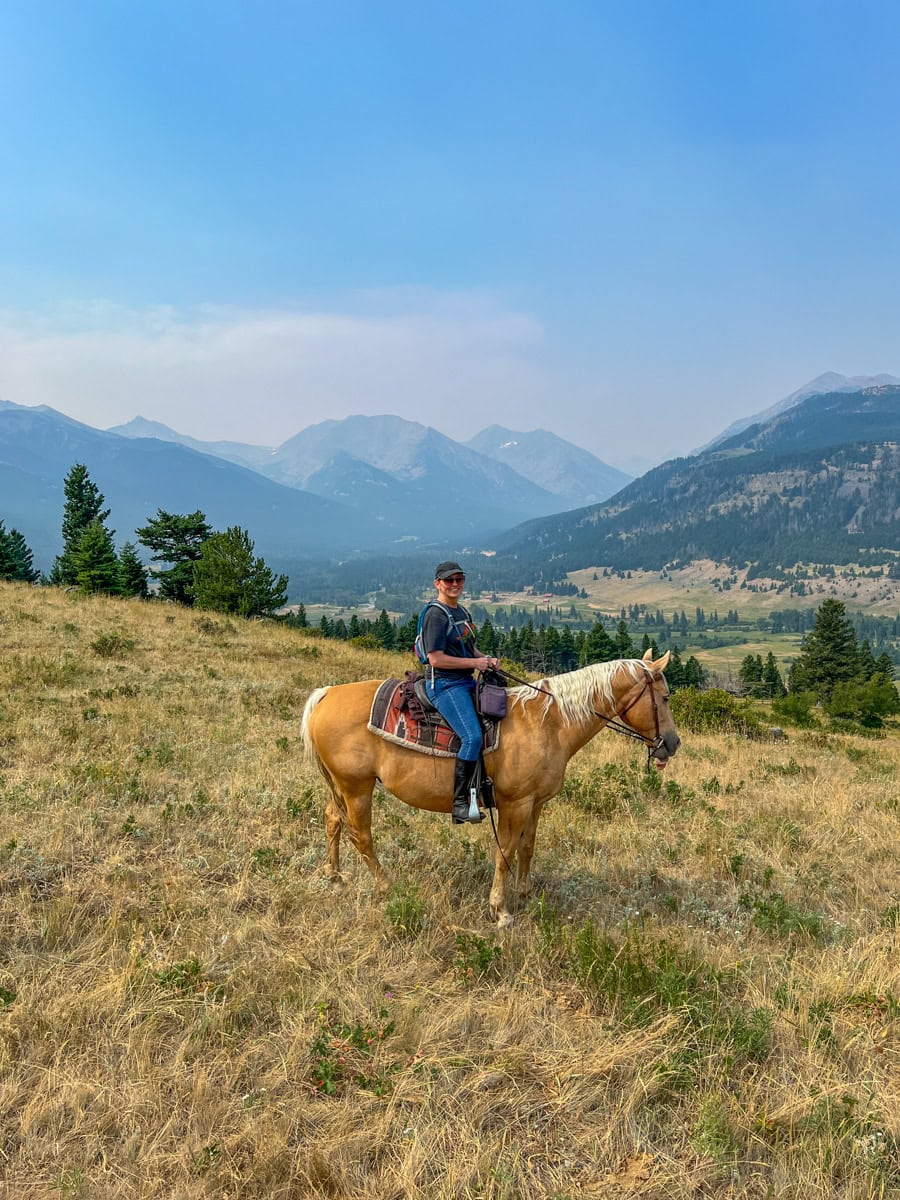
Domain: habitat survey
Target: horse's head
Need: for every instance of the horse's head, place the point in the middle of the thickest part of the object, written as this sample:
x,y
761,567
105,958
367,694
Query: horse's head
x,y
649,713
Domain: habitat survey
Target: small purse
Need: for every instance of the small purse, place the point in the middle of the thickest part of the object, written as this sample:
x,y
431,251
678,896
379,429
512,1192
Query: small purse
x,y
490,696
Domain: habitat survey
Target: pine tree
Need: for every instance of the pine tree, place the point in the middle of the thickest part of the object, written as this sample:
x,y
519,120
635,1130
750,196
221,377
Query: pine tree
x,y
692,674
549,646
598,645
568,651
383,630
867,664
487,637
623,643
83,506
132,573
406,634
176,539
751,675
771,678
16,561
829,653
94,561
227,577
884,666
8,561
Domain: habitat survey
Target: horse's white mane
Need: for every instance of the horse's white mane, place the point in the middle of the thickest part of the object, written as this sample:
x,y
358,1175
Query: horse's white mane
x,y
578,693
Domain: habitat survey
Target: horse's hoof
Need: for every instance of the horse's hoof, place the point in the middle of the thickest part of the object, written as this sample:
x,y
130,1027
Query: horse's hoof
x,y
505,920
337,880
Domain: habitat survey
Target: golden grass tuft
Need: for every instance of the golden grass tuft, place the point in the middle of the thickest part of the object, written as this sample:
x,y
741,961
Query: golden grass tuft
x,y
702,999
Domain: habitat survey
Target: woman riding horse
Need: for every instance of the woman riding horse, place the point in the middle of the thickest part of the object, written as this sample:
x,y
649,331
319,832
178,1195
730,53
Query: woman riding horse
x,y
546,725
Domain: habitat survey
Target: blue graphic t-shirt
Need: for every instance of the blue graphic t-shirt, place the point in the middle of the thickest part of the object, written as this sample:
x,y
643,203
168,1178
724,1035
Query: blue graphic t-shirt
x,y
458,643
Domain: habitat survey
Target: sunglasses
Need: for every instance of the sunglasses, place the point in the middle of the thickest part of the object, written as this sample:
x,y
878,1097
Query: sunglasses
x,y
455,579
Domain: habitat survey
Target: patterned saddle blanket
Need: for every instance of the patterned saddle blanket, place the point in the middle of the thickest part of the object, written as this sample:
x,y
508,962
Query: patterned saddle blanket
x,y
399,716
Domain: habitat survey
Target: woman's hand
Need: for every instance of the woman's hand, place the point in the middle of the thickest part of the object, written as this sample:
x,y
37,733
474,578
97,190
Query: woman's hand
x,y
485,664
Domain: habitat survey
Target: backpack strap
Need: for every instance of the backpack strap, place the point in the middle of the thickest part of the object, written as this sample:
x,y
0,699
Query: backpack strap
x,y
452,622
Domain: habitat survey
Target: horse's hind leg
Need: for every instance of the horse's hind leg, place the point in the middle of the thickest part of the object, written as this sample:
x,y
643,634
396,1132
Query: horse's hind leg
x,y
359,829
334,820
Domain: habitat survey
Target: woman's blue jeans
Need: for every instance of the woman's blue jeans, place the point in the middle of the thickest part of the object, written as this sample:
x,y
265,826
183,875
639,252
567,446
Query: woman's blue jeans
x,y
455,701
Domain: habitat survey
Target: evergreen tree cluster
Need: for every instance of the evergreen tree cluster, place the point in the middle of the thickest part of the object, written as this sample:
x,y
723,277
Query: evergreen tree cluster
x,y
549,649
761,679
214,570
841,672
831,655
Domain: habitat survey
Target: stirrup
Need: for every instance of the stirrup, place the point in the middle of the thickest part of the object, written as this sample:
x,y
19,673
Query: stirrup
x,y
475,813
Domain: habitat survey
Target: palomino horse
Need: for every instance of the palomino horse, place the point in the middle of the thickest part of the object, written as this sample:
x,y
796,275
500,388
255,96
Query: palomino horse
x,y
541,733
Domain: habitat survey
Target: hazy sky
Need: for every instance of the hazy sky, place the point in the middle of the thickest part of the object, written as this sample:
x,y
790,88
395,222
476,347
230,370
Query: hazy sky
x,y
630,223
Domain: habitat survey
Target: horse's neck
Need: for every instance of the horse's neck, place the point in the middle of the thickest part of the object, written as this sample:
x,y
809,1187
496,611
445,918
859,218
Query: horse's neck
x,y
574,734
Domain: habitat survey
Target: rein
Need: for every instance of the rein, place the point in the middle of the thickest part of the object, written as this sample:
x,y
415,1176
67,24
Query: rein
x,y
613,723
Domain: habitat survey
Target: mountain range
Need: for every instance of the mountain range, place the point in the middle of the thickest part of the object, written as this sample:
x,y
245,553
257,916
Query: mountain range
x,y
815,477
340,487
137,476
422,484
817,480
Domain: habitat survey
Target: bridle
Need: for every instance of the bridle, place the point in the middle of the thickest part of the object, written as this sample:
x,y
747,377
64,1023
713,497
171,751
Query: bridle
x,y
615,722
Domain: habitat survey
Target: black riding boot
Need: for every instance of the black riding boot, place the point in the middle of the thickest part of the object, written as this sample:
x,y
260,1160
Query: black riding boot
x,y
463,779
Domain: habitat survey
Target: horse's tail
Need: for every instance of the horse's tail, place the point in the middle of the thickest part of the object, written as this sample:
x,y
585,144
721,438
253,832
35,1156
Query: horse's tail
x,y
312,754
309,749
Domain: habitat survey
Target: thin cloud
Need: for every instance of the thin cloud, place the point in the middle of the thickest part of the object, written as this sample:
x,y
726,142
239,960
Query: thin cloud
x,y
260,376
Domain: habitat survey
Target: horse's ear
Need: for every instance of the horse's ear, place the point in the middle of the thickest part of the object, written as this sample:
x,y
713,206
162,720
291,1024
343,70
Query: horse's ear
x,y
661,663
647,655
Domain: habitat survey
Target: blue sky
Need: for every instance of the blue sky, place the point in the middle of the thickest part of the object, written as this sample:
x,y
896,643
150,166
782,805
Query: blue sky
x,y
630,223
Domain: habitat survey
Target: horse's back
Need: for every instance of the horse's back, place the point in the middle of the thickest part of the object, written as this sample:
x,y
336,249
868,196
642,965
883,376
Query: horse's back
x,y
337,714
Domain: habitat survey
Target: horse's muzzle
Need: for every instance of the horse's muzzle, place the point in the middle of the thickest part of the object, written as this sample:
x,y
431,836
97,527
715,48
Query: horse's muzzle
x,y
668,746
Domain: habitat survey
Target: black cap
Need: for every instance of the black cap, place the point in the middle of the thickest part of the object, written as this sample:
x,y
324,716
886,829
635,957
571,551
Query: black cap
x,y
446,569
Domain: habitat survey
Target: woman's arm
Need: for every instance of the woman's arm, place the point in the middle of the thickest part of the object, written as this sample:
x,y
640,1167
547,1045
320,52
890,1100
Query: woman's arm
x,y
451,662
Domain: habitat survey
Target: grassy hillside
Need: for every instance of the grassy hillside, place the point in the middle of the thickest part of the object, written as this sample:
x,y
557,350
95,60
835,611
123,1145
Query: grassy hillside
x,y
703,999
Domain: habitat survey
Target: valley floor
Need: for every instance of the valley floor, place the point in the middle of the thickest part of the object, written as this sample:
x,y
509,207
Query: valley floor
x,y
702,998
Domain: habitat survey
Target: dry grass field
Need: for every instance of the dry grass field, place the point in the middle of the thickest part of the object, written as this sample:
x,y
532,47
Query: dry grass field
x,y
702,999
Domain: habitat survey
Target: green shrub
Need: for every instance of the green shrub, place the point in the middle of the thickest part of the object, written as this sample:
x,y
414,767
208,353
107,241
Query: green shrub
x,y
112,645
868,703
476,956
772,913
406,911
714,711
342,1054
796,709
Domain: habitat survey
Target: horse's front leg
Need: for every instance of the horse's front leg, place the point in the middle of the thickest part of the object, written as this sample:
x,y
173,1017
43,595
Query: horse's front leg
x,y
526,851
510,826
